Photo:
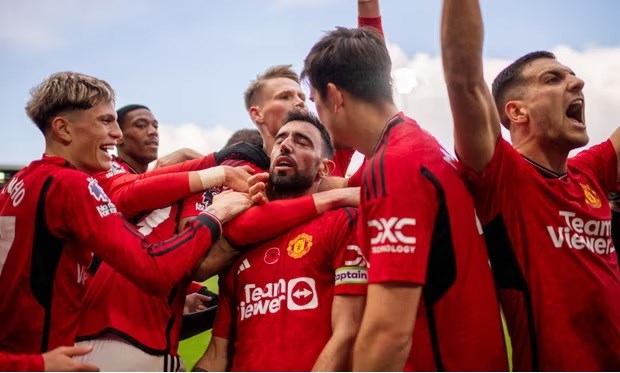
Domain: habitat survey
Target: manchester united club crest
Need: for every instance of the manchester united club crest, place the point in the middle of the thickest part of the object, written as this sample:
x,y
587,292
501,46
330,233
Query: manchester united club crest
x,y
299,246
592,198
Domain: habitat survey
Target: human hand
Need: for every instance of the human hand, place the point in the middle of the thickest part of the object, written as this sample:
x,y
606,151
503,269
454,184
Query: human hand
x,y
61,359
257,188
229,204
236,178
195,302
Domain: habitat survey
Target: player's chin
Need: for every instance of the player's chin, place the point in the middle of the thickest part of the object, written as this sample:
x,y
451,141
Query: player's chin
x,y
104,164
578,140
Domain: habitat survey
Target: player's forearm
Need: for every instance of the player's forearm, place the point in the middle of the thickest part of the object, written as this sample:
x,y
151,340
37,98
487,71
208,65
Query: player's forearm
x,y
368,9
150,194
220,256
461,40
380,350
154,268
336,198
215,358
200,163
269,220
336,356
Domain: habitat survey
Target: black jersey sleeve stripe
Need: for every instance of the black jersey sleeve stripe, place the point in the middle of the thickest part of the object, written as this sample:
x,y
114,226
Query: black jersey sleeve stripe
x,y
211,222
441,271
508,276
46,253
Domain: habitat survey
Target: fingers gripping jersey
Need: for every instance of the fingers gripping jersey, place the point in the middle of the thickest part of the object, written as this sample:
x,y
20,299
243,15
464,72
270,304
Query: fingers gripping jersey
x,y
52,219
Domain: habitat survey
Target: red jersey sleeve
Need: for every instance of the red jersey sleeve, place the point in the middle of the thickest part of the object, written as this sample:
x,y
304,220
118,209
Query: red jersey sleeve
x,y
374,22
349,262
492,186
133,194
78,208
224,316
21,363
260,223
399,220
194,287
602,162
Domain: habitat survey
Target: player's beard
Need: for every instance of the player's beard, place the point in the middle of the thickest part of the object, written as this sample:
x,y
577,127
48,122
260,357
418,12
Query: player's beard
x,y
288,186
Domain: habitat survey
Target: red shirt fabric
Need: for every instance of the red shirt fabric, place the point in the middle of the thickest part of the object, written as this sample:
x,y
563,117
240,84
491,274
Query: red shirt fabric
x,y
21,363
52,219
283,290
551,249
418,224
115,305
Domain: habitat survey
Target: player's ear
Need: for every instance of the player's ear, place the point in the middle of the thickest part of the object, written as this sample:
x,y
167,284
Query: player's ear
x,y
516,112
335,97
61,128
326,167
256,115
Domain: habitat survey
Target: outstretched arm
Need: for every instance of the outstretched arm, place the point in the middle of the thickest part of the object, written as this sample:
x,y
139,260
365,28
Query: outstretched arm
x,y
476,121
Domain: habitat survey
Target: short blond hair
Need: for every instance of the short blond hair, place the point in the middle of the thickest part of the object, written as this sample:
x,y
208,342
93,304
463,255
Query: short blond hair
x,y
252,93
64,91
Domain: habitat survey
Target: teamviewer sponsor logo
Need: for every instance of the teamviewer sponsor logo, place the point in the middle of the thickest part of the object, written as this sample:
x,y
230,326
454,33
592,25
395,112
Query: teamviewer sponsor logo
x,y
297,294
578,234
389,235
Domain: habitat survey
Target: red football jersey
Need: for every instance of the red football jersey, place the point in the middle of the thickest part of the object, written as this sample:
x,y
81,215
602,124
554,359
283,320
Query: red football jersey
x,y
553,257
283,290
113,304
52,219
419,226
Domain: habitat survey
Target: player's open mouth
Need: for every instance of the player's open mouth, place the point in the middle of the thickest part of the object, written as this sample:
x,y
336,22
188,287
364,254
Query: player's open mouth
x,y
575,112
108,149
283,162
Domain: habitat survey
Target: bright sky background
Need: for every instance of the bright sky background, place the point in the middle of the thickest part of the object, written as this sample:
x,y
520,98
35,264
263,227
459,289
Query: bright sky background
x,y
191,60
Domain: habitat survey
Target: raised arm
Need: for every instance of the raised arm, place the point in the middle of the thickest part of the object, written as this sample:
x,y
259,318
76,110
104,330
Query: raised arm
x,y
615,140
337,354
476,121
369,14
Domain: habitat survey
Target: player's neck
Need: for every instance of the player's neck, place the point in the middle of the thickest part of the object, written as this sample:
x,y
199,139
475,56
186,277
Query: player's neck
x,y
136,166
547,158
274,194
369,123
